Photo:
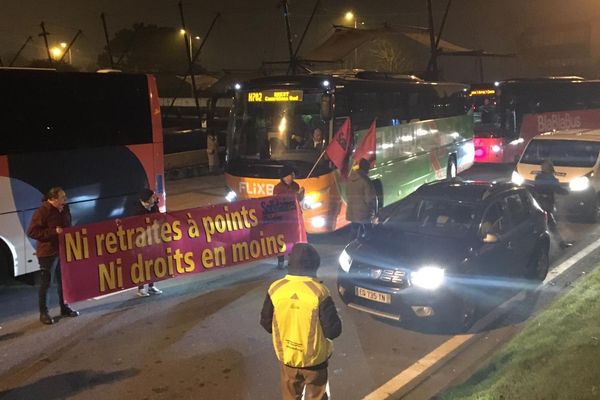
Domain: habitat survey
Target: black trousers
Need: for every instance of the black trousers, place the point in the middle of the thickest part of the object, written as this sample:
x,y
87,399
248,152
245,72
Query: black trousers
x,y
47,264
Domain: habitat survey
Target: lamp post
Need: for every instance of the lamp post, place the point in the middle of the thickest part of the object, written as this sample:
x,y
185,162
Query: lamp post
x,y
63,45
349,16
189,38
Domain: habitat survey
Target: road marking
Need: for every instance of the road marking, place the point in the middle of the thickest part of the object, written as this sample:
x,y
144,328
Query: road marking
x,y
398,382
406,376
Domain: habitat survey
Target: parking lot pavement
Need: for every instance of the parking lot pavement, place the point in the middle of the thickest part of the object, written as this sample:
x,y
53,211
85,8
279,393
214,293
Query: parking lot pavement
x,y
195,192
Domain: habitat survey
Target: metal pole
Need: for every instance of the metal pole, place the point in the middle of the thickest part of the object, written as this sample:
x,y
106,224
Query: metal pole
x,y
314,11
292,66
356,48
202,43
112,65
434,66
316,162
190,66
45,35
29,39
68,49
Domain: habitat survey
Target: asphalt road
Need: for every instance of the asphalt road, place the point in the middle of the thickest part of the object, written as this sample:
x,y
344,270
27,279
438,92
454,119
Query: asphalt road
x,y
201,339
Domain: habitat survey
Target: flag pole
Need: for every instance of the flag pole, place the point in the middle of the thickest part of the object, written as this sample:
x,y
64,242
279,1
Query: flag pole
x,y
316,162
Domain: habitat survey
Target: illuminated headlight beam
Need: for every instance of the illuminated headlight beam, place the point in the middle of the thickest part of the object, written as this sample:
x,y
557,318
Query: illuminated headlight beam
x,y
429,278
579,184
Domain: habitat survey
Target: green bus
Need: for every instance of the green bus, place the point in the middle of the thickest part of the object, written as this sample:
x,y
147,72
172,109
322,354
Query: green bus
x,y
423,133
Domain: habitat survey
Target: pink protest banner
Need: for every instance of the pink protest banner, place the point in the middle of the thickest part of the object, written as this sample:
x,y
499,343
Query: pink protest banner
x,y
107,257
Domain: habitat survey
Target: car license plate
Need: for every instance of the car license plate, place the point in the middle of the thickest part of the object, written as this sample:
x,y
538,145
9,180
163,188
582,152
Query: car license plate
x,y
373,295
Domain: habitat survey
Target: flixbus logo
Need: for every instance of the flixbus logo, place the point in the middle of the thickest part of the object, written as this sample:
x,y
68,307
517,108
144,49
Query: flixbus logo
x,y
558,121
256,189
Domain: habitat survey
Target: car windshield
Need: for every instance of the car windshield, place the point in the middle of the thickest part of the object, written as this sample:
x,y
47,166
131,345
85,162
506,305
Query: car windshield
x,y
435,216
563,153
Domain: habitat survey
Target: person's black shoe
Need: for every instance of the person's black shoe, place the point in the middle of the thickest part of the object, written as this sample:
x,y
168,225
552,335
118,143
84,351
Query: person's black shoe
x,y
46,319
565,245
68,312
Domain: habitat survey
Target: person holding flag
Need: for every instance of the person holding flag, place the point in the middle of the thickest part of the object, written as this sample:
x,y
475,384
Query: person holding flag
x,y
360,191
337,151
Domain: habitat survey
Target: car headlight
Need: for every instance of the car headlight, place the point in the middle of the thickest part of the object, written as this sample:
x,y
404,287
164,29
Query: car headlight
x,y
345,261
428,277
579,184
496,148
231,196
312,200
516,178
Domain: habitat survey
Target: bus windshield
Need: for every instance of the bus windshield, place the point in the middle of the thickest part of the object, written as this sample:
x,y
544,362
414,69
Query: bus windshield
x,y
563,153
288,128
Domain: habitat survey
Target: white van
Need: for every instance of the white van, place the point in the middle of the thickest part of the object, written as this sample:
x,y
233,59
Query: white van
x,y
574,154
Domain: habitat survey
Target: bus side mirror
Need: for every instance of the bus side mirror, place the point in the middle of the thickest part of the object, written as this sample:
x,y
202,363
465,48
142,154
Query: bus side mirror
x,y
326,108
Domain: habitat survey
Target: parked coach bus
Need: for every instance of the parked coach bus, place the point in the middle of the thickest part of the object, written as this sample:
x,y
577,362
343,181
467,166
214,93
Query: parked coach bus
x,y
423,133
526,107
97,135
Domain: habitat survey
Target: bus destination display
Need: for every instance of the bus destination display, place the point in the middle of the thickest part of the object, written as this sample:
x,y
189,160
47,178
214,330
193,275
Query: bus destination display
x,y
268,96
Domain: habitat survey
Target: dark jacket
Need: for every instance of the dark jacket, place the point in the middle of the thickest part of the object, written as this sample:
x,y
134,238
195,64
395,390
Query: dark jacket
x,y
545,186
43,228
283,189
361,198
139,209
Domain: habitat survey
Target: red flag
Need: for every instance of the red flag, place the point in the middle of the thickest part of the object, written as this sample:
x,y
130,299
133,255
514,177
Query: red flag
x,y
338,149
366,148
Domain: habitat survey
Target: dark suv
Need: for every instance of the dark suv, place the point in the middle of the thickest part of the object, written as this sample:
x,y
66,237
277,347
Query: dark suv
x,y
441,247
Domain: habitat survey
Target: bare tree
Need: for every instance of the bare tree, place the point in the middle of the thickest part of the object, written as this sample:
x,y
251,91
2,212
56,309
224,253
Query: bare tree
x,y
387,56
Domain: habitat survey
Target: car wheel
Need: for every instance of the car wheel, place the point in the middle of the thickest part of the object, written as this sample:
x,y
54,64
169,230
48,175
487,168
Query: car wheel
x,y
451,170
539,264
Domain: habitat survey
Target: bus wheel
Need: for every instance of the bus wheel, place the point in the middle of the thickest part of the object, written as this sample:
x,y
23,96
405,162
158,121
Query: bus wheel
x,y
451,170
6,263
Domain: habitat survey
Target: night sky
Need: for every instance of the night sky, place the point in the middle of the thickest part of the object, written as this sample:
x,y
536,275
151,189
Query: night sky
x,y
252,31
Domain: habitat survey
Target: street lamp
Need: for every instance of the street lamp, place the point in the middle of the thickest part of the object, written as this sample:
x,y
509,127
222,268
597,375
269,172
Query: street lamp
x,y
349,16
189,36
64,45
56,53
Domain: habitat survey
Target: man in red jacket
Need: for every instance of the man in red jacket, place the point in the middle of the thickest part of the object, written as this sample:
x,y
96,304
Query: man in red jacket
x,y
46,224
287,186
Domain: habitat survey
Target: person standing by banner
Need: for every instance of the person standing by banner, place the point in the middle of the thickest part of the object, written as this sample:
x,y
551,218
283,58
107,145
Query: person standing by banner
x,y
212,152
287,186
147,204
303,343
46,224
361,199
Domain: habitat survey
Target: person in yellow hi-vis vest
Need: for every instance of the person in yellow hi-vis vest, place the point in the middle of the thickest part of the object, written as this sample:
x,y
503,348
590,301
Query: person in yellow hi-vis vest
x,y
301,316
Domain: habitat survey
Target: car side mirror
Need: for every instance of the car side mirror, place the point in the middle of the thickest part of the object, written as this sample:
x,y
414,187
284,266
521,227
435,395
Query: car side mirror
x,y
490,238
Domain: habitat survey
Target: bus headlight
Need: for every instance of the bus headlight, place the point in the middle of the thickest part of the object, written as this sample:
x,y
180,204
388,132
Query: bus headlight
x,y
231,196
516,178
312,201
345,261
429,278
496,148
579,184
318,222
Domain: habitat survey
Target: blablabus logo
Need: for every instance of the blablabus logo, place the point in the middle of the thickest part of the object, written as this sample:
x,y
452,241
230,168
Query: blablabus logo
x,y
257,189
558,121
